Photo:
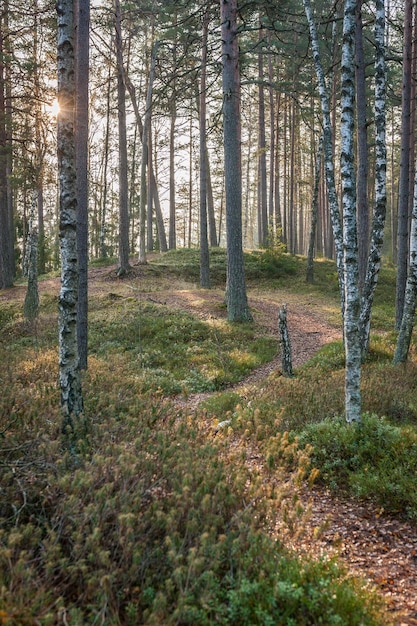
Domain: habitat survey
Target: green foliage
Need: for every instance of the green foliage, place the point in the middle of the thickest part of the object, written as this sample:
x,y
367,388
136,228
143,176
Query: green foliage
x,y
376,460
151,528
174,351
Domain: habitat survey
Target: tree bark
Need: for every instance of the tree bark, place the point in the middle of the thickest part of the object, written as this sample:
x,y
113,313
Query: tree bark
x,y
378,221
262,185
362,150
350,246
328,151
204,247
143,181
237,304
81,147
403,199
314,213
124,265
409,310
6,273
285,342
69,374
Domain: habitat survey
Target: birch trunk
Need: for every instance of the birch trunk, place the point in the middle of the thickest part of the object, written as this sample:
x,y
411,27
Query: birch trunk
x,y
378,220
69,375
407,322
350,246
328,149
362,150
403,199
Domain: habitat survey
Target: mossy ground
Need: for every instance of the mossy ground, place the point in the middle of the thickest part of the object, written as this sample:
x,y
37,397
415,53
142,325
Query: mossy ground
x,y
156,521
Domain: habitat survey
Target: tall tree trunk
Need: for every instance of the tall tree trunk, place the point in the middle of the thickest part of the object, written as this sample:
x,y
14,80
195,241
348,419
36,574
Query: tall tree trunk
x,y
350,246
262,186
362,150
237,304
145,136
314,213
204,247
153,184
103,229
403,200
6,234
172,236
40,146
409,310
81,148
328,150
378,222
210,206
124,265
69,374
271,195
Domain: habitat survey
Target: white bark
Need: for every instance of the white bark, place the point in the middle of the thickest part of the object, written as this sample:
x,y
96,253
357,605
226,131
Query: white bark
x,y
69,376
285,342
328,147
350,246
378,223
407,322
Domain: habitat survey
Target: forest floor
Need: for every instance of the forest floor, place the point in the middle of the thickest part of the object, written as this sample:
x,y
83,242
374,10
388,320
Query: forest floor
x,y
372,545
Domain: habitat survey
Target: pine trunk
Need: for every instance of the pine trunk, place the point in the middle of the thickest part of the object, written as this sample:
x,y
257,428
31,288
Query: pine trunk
x,y
237,305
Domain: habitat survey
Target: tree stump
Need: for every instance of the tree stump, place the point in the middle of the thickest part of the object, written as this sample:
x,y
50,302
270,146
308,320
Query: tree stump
x,y
285,341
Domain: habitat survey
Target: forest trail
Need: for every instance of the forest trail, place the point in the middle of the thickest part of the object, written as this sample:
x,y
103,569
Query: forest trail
x,y
381,549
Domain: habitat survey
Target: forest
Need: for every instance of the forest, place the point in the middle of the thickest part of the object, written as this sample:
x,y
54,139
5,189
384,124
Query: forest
x,y
208,282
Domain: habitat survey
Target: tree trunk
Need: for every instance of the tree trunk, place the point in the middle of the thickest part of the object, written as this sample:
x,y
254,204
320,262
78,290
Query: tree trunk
x,y
204,247
285,342
143,180
262,186
124,265
237,305
6,273
69,374
378,222
103,229
403,199
314,212
350,246
81,147
362,150
328,151
409,311
172,236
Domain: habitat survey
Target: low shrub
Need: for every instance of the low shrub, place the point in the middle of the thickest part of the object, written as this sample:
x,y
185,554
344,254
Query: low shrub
x,y
375,460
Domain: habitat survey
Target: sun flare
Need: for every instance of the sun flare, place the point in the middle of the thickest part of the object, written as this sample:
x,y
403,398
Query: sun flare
x,y
53,108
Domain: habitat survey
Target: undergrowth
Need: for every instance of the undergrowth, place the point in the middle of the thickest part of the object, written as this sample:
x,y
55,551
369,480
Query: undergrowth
x,y
159,519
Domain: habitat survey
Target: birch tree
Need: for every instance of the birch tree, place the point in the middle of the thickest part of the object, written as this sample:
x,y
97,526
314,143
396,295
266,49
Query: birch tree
x,y
379,214
327,147
403,193
350,244
69,375
409,309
